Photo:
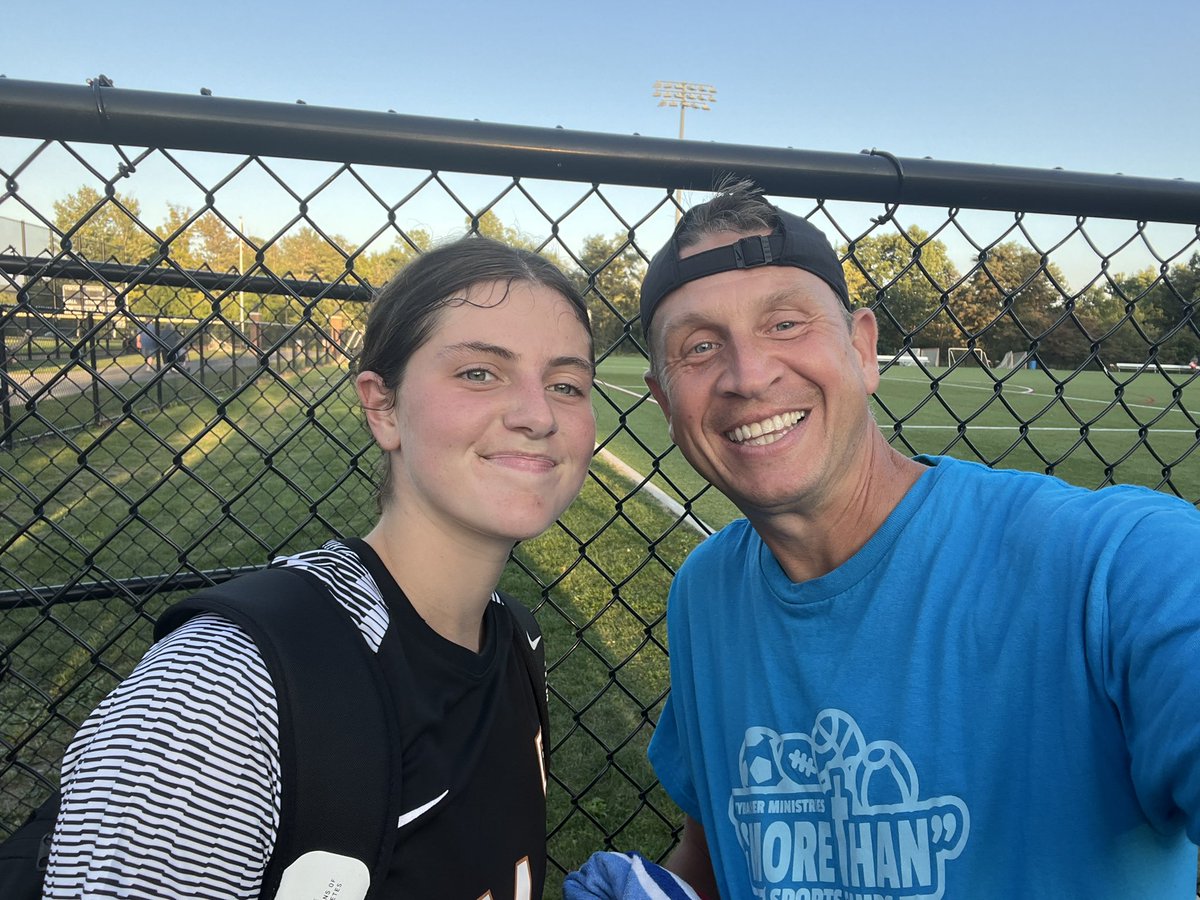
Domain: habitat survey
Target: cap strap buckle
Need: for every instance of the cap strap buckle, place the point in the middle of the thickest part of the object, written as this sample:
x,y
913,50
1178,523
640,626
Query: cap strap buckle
x,y
751,252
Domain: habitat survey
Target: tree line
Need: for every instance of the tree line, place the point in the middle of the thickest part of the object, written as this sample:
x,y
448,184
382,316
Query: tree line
x,y
1011,298
1015,299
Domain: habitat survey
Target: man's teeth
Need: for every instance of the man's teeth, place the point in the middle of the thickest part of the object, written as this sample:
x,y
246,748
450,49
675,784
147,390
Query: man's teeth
x,y
767,431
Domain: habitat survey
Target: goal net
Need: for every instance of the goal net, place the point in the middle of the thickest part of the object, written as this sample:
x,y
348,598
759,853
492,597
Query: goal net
x,y
1015,359
967,356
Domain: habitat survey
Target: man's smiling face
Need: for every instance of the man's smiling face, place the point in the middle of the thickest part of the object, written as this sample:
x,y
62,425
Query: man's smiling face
x,y
764,382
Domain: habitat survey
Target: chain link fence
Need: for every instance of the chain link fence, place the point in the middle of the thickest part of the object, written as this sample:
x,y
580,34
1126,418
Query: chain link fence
x,y
177,336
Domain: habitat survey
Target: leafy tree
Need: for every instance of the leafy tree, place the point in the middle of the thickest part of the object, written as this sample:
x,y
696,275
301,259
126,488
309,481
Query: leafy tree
x,y
903,277
377,267
1184,308
218,246
1165,311
491,226
102,228
1013,298
1100,306
306,254
1097,317
163,299
611,282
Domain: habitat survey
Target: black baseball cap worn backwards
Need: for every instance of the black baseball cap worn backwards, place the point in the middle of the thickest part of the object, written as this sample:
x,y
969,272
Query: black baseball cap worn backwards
x,y
795,242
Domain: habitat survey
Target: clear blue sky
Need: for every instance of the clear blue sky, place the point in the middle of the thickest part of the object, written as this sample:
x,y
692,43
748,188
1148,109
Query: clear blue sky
x,y
1092,86
1102,87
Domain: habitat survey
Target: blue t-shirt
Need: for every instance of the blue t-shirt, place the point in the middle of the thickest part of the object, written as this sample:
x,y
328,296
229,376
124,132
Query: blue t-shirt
x,y
997,696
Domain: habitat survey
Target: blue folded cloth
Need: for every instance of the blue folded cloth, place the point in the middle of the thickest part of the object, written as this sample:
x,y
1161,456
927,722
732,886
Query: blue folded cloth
x,y
624,876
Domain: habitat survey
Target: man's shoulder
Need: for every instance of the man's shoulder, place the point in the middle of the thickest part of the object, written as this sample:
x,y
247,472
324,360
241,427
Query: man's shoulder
x,y
1049,498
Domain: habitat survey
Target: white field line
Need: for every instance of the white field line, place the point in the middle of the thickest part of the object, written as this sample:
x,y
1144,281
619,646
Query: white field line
x,y
1038,429
656,493
1023,390
1028,391
695,522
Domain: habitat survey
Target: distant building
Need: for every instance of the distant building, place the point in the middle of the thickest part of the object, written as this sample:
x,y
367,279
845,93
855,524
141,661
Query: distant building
x,y
89,297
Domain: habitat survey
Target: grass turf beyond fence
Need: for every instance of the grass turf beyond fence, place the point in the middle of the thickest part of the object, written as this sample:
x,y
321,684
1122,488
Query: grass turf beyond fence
x,y
281,467
285,463
1092,430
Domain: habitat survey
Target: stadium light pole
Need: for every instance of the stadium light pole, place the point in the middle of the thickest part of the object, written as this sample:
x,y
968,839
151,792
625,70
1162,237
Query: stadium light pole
x,y
686,95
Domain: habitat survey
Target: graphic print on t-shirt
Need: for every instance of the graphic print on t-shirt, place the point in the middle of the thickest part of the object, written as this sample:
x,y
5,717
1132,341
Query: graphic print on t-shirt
x,y
827,815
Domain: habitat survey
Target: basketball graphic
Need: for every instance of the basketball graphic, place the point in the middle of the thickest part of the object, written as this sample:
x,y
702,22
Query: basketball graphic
x,y
837,739
831,791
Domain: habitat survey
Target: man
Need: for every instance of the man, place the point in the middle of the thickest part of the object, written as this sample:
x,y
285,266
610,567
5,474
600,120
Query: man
x,y
898,677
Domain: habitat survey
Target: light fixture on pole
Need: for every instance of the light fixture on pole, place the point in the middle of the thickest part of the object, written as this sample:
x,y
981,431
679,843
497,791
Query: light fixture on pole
x,y
686,95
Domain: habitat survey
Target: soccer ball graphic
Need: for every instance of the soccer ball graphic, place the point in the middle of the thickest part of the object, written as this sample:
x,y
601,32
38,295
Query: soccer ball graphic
x,y
756,762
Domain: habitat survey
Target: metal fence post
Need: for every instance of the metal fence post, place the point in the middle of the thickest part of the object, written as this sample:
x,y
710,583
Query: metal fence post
x,y
5,405
201,360
158,360
91,321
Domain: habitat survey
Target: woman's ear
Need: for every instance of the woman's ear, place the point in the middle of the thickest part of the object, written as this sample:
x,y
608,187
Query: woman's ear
x,y
379,405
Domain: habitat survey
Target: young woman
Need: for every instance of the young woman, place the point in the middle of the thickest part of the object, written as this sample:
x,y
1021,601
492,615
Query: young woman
x,y
475,379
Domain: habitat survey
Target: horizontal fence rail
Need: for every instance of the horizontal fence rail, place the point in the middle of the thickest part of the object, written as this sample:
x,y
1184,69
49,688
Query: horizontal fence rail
x,y
218,282
151,119
182,298
44,596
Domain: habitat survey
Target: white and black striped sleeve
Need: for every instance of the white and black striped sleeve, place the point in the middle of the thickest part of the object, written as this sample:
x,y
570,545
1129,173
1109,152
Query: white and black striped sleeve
x,y
171,787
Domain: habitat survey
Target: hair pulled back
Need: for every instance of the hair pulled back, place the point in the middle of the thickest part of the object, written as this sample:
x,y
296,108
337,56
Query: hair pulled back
x,y
406,311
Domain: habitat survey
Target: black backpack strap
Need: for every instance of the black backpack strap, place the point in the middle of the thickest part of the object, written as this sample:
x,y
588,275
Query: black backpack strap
x,y
527,635
24,854
340,789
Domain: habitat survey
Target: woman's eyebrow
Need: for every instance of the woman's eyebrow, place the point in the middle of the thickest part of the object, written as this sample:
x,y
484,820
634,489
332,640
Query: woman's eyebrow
x,y
479,347
574,362
558,362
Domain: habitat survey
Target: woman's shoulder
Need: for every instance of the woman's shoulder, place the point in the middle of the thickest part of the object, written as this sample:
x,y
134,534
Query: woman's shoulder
x,y
342,571
521,614
186,745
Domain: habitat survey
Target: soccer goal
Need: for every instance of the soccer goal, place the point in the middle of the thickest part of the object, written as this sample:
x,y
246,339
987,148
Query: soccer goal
x,y
1015,359
967,356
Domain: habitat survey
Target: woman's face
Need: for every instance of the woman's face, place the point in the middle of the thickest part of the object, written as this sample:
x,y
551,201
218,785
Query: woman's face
x,y
492,429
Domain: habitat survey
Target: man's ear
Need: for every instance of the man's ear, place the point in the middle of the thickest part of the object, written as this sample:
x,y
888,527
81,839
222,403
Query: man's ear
x,y
379,406
660,397
657,392
864,337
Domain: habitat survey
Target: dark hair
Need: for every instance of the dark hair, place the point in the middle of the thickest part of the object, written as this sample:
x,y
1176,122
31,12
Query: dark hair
x,y
739,207
406,311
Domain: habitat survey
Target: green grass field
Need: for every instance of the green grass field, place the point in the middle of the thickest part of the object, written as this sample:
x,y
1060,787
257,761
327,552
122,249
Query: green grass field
x,y
279,466
1080,430
282,462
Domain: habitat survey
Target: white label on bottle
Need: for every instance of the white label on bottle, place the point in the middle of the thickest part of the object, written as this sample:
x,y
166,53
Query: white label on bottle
x,y
320,875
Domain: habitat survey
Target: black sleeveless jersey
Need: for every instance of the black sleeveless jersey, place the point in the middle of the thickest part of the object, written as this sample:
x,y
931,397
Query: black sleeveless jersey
x,y
472,793
473,790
